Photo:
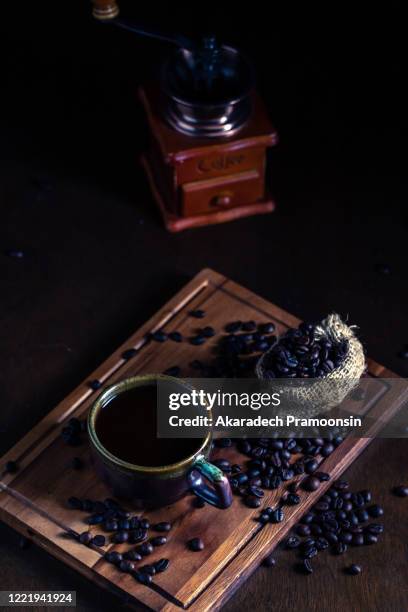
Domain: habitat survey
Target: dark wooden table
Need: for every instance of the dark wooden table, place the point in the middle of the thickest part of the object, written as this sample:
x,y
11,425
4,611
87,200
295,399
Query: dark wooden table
x,y
98,263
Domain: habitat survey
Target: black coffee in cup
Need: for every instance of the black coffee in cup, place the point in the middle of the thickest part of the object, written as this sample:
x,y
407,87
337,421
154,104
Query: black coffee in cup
x,y
127,427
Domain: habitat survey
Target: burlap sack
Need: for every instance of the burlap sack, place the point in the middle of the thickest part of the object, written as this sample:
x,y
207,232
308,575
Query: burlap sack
x,y
321,394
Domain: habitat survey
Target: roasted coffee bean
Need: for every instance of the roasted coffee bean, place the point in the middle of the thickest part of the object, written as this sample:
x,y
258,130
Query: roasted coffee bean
x,y
375,511
120,537
306,567
311,483
223,443
263,518
321,507
358,539
341,485
292,499
308,553
269,561
327,450
199,502
374,528
322,476
207,332
267,328
124,524
292,542
111,525
252,502
277,515
113,556
85,537
339,548
303,530
145,523
249,326
159,336
88,505
197,340
331,538
11,467
353,569
75,503
148,569
137,535
362,515
142,577
255,491
196,544
158,540
275,482
145,549
161,565
129,353
316,529
307,518
163,526
233,327
95,519
98,540
126,566
132,555
95,384
345,537
321,543
307,543
311,466
400,491
287,474
173,371
223,464
175,336
370,538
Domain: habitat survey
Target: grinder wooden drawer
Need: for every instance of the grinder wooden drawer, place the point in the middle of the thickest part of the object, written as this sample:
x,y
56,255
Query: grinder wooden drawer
x,y
213,195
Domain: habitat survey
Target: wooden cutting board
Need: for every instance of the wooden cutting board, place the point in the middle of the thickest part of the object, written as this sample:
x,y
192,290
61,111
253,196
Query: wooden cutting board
x,y
33,500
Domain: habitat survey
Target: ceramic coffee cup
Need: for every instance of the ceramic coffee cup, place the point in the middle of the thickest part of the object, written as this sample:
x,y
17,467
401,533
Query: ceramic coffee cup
x,y
156,485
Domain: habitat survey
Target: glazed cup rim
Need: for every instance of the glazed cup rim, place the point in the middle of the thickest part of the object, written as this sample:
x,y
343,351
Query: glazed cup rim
x,y
120,387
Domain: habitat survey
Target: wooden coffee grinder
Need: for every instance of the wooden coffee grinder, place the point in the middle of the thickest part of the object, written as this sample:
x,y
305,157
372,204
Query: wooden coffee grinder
x,y
209,131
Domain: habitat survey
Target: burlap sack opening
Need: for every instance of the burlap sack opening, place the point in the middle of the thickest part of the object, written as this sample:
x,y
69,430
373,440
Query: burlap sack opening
x,y
322,394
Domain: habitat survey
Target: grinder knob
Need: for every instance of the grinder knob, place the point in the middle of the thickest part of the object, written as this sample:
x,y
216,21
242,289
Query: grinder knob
x,y
105,9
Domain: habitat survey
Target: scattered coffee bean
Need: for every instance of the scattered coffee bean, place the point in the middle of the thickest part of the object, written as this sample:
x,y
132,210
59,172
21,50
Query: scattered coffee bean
x,y
11,467
126,566
129,353
163,526
269,561
142,577
400,491
132,555
95,519
264,518
75,503
197,340
233,327
159,336
306,567
85,537
176,336
95,384
113,556
158,540
111,525
252,501
277,516
375,511
375,528
303,530
196,544
197,314
353,569
161,565
292,499
207,332
148,569
120,537
98,540
311,483
339,548
292,542
145,549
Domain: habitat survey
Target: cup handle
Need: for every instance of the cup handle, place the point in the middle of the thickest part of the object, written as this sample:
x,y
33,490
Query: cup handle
x,y
219,494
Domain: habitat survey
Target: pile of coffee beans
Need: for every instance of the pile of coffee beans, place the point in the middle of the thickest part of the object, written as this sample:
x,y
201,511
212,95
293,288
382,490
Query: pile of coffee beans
x,y
123,527
298,353
339,520
274,461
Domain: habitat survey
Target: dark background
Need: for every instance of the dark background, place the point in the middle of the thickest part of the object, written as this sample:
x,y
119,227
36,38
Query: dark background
x,y
97,259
